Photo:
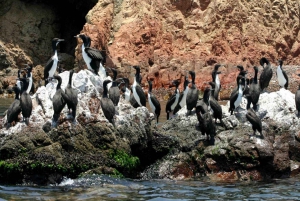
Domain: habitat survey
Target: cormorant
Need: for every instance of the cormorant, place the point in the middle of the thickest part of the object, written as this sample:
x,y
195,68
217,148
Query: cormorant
x,y
192,95
206,123
182,97
173,99
236,96
254,90
266,74
125,89
215,77
91,56
30,87
282,77
153,102
138,93
14,109
214,104
70,96
114,91
58,101
297,99
254,120
51,65
107,105
25,102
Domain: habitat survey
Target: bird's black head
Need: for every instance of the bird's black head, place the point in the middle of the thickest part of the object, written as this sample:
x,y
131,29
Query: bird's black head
x,y
263,61
105,83
212,84
241,68
85,39
126,81
217,66
280,62
243,72
55,41
176,82
255,68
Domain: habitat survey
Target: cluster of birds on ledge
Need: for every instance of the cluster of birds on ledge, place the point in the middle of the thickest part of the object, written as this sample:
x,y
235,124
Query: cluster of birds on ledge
x,y
206,108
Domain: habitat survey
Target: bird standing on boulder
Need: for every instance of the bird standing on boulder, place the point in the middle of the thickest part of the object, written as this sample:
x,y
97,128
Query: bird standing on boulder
x,y
192,95
107,105
14,109
58,101
114,91
182,96
30,88
51,65
153,102
254,120
25,102
91,56
266,74
70,96
215,77
173,99
282,77
236,96
138,92
214,104
254,90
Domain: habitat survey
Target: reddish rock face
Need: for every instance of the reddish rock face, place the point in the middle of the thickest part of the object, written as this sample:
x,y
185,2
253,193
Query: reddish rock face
x,y
167,37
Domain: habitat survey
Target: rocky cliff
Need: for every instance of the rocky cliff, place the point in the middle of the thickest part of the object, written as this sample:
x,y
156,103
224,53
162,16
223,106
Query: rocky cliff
x,y
163,37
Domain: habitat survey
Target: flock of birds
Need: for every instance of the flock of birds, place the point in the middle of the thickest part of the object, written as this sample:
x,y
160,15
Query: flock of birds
x,y
206,108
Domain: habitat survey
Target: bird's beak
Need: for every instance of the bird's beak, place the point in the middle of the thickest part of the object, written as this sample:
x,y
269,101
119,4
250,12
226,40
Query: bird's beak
x,y
77,36
61,40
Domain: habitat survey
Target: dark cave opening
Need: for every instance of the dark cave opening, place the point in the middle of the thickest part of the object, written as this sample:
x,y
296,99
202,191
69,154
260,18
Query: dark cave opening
x,y
71,15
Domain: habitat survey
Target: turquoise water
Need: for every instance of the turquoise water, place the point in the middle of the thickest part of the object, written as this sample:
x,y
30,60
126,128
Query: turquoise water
x,y
107,188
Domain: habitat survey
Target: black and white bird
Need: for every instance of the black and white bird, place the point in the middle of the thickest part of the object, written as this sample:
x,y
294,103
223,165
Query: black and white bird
x,y
71,96
14,109
182,96
107,105
236,96
25,102
214,104
266,74
30,88
254,120
137,91
18,83
114,91
192,95
125,89
58,101
215,77
206,124
282,77
254,90
51,65
297,100
173,99
153,102
91,56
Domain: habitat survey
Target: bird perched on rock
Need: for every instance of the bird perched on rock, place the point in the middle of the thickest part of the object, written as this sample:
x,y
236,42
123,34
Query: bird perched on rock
x,y
214,104
25,102
254,120
282,77
71,96
14,109
254,90
51,65
58,101
30,88
125,89
107,105
137,91
153,102
114,91
236,96
91,56
206,124
192,95
182,96
173,99
266,74
215,77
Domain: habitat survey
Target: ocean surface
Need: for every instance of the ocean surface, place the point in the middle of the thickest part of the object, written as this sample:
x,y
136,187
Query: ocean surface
x,y
96,187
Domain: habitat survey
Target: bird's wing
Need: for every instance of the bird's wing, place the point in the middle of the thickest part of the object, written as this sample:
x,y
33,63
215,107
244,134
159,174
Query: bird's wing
x,y
93,53
155,102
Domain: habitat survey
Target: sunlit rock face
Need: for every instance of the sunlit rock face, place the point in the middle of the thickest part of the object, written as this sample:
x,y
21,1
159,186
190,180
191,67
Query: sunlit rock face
x,y
90,88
